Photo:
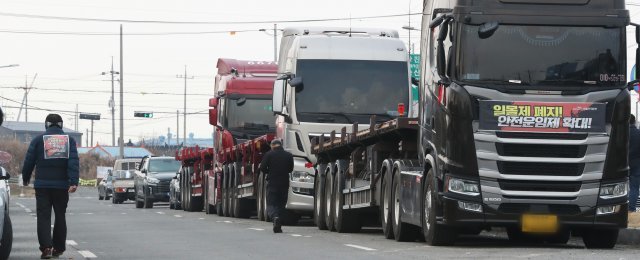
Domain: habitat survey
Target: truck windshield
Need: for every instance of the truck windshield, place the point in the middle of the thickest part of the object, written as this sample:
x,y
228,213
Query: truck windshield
x,y
163,165
249,114
348,91
544,56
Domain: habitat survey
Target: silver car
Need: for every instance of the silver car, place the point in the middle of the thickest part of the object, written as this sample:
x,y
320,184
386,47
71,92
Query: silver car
x,y
5,221
105,188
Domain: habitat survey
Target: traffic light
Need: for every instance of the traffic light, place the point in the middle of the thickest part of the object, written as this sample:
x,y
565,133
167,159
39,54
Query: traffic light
x,y
143,114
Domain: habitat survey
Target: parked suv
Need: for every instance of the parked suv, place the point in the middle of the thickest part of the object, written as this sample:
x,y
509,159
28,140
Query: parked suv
x,y
152,180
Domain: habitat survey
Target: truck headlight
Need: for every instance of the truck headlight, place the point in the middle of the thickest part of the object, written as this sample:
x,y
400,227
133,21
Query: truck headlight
x,y
153,181
615,190
298,176
464,187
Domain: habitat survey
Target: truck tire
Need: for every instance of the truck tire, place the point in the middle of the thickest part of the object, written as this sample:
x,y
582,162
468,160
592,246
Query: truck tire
x,y
319,209
225,192
385,205
434,234
402,232
7,237
114,199
148,203
600,238
139,204
208,208
259,194
219,209
345,221
264,200
233,198
328,198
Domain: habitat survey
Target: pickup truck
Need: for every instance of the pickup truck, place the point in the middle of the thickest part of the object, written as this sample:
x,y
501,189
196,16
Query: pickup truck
x,y
123,174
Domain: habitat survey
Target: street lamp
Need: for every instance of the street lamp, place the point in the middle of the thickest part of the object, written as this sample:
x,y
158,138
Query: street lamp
x,y
275,41
410,28
10,65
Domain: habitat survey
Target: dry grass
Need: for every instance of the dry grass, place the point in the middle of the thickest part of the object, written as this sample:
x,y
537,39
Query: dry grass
x,y
634,220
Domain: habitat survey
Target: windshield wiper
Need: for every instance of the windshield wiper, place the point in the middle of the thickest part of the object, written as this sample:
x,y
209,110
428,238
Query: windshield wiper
x,y
343,115
568,82
253,126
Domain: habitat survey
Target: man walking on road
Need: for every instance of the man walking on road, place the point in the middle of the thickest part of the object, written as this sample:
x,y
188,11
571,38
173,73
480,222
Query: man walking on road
x,y
277,164
55,158
634,163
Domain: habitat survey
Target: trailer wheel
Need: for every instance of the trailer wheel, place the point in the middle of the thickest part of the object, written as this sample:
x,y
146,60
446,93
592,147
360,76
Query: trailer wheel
x,y
401,231
385,205
434,234
328,197
208,208
319,209
345,221
225,192
600,238
259,194
267,218
219,208
242,206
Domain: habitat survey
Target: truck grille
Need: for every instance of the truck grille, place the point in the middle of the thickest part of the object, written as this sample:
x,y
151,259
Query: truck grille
x,y
540,186
558,209
541,150
163,186
536,168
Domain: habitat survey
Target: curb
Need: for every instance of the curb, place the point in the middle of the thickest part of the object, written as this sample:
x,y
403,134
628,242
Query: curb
x,y
629,236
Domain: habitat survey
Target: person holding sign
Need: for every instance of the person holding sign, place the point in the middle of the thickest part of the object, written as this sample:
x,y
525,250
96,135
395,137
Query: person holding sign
x,y
55,159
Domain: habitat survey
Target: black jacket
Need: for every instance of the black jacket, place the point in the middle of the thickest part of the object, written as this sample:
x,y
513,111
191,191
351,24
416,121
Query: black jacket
x,y
634,146
57,165
277,164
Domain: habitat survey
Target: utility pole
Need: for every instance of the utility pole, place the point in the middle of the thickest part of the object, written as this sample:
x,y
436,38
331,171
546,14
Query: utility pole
x,y
184,115
121,139
27,88
86,140
75,120
177,128
275,43
112,103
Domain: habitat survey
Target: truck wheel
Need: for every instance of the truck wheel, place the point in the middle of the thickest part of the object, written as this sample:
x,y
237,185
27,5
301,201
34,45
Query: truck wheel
x,y
401,231
434,234
385,205
100,197
264,200
7,237
328,198
225,192
208,208
600,238
345,221
148,203
318,202
114,200
139,204
259,194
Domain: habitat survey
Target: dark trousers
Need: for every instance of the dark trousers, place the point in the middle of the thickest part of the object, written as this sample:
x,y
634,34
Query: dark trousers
x,y
45,200
634,185
276,200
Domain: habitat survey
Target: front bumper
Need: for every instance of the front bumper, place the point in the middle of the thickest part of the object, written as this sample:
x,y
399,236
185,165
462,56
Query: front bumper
x,y
159,192
300,197
510,214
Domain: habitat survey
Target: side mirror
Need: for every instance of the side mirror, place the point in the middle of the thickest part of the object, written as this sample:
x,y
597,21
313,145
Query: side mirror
x,y
487,30
213,117
4,175
415,81
144,171
297,84
441,59
110,172
241,101
278,96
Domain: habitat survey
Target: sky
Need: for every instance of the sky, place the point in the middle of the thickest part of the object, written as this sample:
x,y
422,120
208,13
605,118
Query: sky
x,y
69,65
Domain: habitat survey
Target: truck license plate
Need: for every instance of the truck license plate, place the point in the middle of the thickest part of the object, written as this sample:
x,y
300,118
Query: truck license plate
x,y
537,223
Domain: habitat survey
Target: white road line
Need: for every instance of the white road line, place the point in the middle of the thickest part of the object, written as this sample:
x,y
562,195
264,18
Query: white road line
x,y
177,216
257,229
28,210
160,212
20,205
87,254
200,218
227,221
123,213
295,235
72,243
360,247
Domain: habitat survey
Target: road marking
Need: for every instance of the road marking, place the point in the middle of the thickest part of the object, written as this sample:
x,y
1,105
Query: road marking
x,y
177,216
200,218
87,213
295,235
123,213
72,243
227,221
20,205
28,210
257,229
160,212
360,247
87,254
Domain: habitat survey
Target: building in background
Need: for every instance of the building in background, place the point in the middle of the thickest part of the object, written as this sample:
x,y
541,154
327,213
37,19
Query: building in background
x,y
113,152
25,131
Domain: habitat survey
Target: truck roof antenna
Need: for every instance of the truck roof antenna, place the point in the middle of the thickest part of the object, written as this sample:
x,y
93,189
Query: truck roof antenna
x,y
244,71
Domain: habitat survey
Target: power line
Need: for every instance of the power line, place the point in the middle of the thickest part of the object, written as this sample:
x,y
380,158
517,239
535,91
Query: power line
x,y
104,91
84,19
117,34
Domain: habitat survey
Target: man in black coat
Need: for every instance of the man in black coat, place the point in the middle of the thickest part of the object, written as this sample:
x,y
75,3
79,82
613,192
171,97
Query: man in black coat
x,y
55,159
277,164
634,163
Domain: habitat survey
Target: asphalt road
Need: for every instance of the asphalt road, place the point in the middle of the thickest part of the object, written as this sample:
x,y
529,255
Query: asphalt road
x,y
99,229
